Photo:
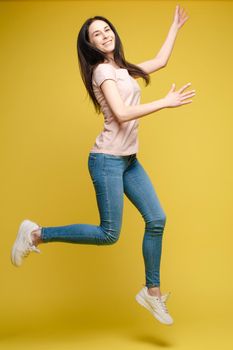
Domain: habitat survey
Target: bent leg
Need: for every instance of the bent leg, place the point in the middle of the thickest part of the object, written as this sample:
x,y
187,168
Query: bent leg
x,y
140,191
108,187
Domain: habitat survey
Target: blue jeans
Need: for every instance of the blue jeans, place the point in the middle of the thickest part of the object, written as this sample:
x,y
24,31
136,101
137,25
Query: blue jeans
x,y
112,176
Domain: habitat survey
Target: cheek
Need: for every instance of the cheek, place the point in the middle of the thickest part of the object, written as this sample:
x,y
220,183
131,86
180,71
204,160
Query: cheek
x,y
95,42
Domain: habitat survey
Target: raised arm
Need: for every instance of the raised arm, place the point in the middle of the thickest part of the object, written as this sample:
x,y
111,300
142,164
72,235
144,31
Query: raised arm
x,y
163,55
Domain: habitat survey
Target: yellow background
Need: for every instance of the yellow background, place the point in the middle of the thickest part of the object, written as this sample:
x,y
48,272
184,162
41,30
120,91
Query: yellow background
x,y
83,297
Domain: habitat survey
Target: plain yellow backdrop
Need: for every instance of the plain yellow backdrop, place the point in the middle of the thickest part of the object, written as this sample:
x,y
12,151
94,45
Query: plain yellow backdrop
x,y
47,127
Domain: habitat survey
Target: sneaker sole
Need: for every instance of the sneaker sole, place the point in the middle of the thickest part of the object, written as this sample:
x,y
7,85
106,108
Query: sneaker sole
x,y
143,303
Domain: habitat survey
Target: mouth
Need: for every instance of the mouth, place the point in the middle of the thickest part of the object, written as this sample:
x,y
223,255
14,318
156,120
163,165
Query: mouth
x,y
108,42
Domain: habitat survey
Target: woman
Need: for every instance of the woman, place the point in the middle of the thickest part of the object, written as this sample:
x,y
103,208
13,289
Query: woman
x,y
113,164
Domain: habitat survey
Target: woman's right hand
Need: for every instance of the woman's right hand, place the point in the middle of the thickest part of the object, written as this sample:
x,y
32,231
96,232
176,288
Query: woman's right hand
x,y
176,98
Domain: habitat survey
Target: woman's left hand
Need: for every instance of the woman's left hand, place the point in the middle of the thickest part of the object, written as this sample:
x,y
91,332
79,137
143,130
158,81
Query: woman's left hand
x,y
180,17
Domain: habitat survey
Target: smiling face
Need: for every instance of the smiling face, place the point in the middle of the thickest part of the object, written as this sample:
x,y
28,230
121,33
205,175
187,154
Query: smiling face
x,y
102,37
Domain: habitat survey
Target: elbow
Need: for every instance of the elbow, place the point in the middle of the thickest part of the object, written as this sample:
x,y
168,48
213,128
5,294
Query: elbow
x,y
122,119
163,64
118,118
121,116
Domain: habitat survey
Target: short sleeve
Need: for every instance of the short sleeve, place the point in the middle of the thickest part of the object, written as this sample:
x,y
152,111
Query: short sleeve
x,y
103,72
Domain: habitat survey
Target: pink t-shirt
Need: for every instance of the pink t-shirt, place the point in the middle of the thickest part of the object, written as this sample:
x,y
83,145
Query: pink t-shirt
x,y
116,138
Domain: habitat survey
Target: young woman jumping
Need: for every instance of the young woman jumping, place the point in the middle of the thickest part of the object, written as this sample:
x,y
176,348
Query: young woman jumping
x,y
113,164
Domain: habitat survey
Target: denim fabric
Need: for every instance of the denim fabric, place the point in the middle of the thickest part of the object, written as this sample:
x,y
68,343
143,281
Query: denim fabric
x,y
112,176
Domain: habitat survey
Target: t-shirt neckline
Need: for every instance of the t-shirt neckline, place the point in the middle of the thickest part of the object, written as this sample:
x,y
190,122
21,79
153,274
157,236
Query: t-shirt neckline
x,y
115,67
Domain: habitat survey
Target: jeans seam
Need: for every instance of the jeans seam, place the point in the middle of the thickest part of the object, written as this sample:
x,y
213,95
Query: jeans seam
x,y
106,189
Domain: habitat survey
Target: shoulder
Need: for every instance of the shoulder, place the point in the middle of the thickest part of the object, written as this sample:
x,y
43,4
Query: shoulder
x,y
102,72
104,67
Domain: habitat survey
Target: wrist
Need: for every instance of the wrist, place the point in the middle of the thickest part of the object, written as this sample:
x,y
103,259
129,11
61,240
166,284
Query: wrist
x,y
174,27
164,102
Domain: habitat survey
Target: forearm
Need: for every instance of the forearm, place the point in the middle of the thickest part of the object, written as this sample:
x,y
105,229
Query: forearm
x,y
167,47
141,110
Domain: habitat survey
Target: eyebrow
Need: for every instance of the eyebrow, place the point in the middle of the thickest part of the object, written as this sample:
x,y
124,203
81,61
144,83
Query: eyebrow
x,y
98,30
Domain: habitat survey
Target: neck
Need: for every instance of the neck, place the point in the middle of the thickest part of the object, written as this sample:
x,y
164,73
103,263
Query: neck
x,y
111,57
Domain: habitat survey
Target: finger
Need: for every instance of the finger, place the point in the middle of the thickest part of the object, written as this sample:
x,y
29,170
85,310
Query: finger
x,y
181,11
184,87
185,97
184,14
184,103
173,87
188,93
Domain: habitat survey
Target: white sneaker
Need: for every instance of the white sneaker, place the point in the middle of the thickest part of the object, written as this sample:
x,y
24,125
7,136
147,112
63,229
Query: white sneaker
x,y
23,244
155,305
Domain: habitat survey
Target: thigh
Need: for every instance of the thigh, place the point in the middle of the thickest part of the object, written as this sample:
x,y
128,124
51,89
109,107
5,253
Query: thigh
x,y
108,184
141,192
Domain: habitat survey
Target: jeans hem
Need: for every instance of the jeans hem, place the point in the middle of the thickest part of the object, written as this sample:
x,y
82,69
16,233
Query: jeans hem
x,y
42,236
152,285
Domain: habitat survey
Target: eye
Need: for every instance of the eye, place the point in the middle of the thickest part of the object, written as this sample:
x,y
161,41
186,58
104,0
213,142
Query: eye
x,y
105,30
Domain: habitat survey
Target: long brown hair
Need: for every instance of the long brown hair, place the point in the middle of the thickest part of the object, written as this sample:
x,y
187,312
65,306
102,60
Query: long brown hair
x,y
89,57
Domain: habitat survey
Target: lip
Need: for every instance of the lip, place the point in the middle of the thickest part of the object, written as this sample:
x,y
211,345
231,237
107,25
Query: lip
x,y
109,41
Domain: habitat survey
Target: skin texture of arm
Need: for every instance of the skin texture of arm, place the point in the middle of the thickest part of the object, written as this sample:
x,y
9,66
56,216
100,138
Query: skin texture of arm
x,y
125,113
166,50
152,65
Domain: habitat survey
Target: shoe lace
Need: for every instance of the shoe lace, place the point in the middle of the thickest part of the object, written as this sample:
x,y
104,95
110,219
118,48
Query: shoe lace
x,y
161,303
30,248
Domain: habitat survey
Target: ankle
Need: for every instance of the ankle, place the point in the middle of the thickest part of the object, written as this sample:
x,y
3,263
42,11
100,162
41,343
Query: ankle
x,y
36,236
154,291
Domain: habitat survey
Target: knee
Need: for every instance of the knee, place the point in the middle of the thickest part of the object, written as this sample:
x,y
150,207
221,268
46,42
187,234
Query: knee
x,y
111,236
162,220
156,226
